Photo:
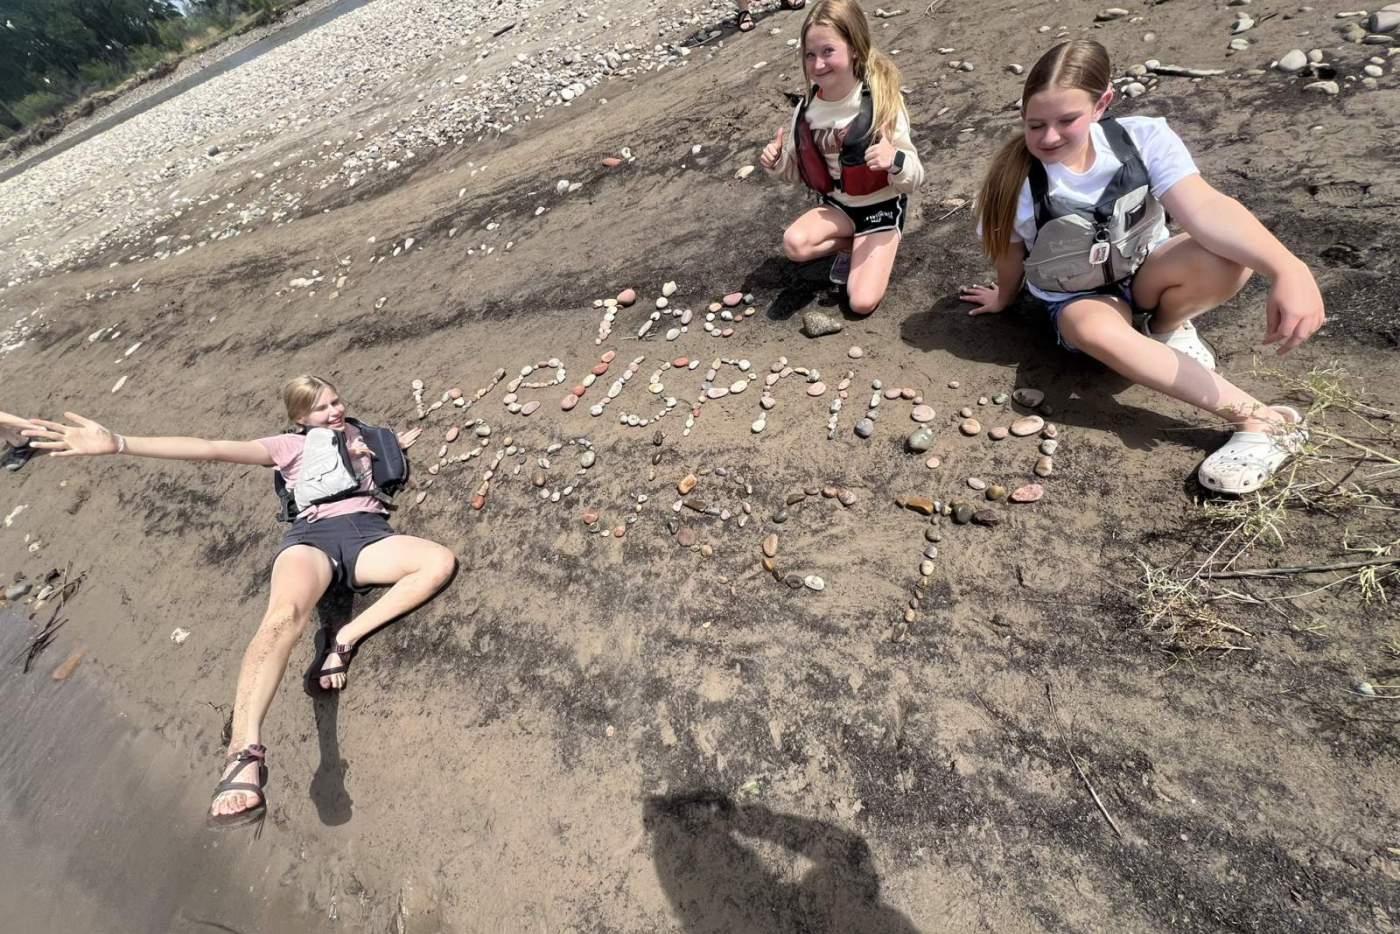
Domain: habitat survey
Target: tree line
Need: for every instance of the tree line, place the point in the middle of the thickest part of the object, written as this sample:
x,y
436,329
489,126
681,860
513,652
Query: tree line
x,y
53,52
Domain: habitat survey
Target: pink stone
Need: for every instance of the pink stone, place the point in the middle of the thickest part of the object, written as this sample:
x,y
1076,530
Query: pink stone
x,y
680,363
610,356
479,501
454,393
816,389
568,402
907,393
579,390
613,162
600,369
590,516
626,297
452,434
733,298
727,332
922,413
531,407
1028,493
891,393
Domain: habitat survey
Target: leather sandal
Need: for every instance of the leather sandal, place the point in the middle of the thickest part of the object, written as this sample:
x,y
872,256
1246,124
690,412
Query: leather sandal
x,y
325,645
249,755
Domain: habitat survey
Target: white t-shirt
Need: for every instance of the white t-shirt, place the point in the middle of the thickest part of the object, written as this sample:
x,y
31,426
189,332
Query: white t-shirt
x,y
1162,151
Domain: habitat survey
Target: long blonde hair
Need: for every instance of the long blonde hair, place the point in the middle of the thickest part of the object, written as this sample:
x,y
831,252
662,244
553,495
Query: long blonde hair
x,y
1081,64
299,395
869,64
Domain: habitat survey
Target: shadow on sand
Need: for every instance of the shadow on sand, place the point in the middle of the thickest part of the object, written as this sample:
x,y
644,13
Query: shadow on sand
x,y
717,881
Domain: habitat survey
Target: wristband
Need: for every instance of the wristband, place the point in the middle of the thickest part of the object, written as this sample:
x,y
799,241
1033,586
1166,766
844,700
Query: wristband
x,y
121,444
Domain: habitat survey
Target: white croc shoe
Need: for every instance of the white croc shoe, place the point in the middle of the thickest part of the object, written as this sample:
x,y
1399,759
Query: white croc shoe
x,y
1250,458
1185,339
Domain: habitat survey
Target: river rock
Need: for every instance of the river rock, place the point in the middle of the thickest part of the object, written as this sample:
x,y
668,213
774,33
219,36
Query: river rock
x,y
962,513
1027,426
934,462
998,433
855,353
1385,20
18,591
1330,88
483,430
976,483
733,299
686,484
816,389
920,440
820,324
920,504
452,434
685,537
865,428
586,459
987,517
922,413
568,402
770,545
1044,466
531,407
1292,62
1029,493
626,297
813,582
996,492
1049,446
1028,397
970,427
926,567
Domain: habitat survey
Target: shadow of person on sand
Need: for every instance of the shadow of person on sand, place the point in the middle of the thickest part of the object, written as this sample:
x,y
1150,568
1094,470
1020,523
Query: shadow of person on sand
x,y
1081,391
328,792
794,286
718,882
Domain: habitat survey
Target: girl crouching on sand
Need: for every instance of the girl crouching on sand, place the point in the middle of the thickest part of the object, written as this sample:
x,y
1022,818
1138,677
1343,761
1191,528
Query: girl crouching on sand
x,y
1073,208
849,142
334,477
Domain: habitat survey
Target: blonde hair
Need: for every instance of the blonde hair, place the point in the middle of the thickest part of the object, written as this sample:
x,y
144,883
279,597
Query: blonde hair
x,y
1081,64
870,65
300,393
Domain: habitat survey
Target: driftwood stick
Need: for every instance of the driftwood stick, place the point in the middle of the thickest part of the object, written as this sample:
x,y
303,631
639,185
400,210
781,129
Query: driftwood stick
x,y
1055,716
1302,568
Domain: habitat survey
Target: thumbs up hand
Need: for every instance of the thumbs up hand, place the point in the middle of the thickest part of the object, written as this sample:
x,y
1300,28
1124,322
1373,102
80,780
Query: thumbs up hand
x,y
772,152
879,157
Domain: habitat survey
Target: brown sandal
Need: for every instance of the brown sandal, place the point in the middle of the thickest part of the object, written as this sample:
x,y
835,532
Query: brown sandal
x,y
245,757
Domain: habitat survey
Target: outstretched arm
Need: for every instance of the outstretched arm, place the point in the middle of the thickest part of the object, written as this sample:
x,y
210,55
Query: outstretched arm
x,y
11,426
1011,269
85,436
1227,228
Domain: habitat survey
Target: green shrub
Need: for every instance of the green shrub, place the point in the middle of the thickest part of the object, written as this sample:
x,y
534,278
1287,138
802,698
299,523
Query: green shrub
x,y
145,56
100,74
34,107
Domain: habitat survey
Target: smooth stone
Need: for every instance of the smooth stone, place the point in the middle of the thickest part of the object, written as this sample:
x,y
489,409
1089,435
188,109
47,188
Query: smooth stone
x,y
758,426
483,430
794,498
16,591
780,516
452,434
609,356
932,534
626,297
738,386
1027,426
976,483
813,582
820,324
538,478
1000,398
589,516
733,299
934,462
1330,88
816,389
531,407
1030,398
846,498
707,550
568,402
998,433
953,384
768,565
970,427
1051,431
926,567
931,551
668,289
1049,446
687,483
864,428
907,392
767,402
920,440
920,504
794,581
1044,467
996,492
596,410
770,544
586,459
986,517
962,513
716,392
922,413
1028,493
855,353
685,537
965,411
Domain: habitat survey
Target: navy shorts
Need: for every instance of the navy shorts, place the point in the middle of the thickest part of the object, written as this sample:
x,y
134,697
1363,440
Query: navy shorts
x,y
883,215
341,539
1050,311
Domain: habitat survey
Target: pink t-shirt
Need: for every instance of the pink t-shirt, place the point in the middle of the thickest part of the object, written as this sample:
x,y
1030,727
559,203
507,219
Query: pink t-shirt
x,y
285,451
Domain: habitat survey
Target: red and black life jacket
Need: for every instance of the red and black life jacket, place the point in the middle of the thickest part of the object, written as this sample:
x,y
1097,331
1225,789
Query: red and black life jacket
x,y
856,178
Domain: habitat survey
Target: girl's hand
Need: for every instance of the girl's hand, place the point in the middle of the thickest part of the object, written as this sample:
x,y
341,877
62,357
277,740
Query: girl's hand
x,y
880,156
406,438
358,448
1295,309
772,152
984,299
84,436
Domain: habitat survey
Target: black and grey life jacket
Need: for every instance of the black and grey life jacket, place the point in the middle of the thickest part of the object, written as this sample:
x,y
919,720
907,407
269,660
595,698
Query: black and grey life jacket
x,y
1081,248
327,473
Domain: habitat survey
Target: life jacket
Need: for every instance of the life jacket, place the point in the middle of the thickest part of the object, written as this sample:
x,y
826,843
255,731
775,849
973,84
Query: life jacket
x,y
856,178
1080,248
327,473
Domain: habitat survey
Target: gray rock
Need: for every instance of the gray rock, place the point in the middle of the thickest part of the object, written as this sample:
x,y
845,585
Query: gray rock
x,y
586,459
1384,21
920,440
16,591
1292,62
820,324
1330,88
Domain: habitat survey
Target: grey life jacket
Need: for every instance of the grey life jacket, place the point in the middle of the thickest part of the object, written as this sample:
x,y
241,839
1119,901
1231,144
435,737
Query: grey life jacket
x,y
327,474
1081,248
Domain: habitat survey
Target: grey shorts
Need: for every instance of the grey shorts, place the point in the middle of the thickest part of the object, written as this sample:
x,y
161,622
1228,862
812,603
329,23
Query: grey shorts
x,y
341,539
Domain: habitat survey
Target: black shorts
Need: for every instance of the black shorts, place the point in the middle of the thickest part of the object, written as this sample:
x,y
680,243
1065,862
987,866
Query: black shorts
x,y
341,539
883,215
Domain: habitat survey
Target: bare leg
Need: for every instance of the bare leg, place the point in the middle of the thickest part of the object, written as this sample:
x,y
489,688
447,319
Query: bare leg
x,y
872,258
820,232
415,567
299,576
1182,279
1102,327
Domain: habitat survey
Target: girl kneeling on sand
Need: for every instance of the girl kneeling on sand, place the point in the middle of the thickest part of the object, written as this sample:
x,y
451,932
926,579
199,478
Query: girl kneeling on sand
x,y
849,142
1073,207
344,540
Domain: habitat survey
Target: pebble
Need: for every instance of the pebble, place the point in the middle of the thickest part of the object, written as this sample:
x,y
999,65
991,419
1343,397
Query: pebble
x,y
568,402
626,297
996,492
1029,493
934,462
816,389
1027,426
1051,431
965,411
483,430
813,582
685,537
669,289
1330,88
931,551
976,483
846,498
687,483
739,386
962,513
920,504
16,591
770,545
1049,446
589,516
1030,398
998,433
920,440
1044,466
733,299
1366,688
986,517
922,413
864,428
1000,398
793,581
820,324
531,407
1375,71
926,567
586,459
452,434
780,516
932,534
970,427
855,353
